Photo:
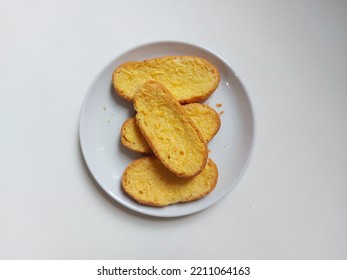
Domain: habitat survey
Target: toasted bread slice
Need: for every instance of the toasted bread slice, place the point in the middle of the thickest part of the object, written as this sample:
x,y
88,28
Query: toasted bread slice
x,y
189,79
149,182
132,138
169,131
205,118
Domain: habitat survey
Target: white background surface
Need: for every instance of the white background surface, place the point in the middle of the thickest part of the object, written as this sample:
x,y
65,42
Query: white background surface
x,y
290,204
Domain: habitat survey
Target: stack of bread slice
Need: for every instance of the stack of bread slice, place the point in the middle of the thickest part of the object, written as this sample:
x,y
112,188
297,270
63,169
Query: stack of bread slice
x,y
170,128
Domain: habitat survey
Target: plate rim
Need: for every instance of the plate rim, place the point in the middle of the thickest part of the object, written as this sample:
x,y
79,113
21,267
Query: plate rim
x,y
124,203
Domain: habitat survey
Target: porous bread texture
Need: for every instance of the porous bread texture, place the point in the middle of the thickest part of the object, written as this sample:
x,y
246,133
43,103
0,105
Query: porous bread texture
x,y
149,182
169,131
205,118
132,138
188,78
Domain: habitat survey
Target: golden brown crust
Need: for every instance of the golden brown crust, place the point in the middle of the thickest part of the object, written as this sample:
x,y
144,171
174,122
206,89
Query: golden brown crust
x,y
147,181
202,96
147,91
216,119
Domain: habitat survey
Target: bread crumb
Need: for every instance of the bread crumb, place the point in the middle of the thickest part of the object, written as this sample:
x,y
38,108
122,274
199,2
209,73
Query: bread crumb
x,y
219,105
104,108
209,150
221,112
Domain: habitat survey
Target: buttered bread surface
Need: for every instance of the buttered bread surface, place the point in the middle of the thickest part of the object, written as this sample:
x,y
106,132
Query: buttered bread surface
x,y
169,131
149,182
188,78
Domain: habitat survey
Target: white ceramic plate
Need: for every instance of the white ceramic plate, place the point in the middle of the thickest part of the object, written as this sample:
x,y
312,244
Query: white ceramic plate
x,y
103,113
